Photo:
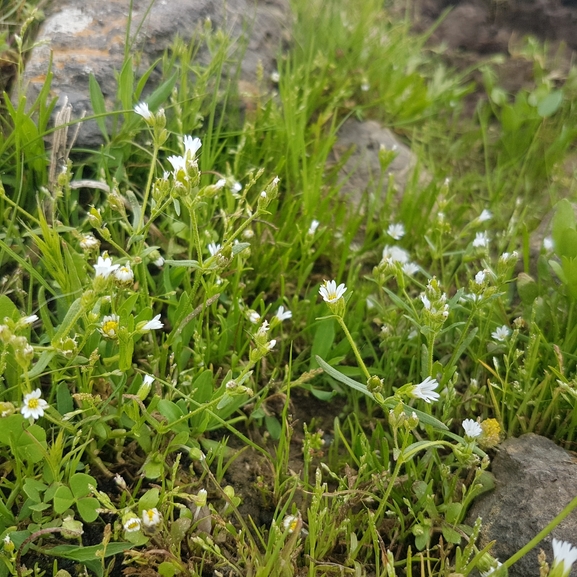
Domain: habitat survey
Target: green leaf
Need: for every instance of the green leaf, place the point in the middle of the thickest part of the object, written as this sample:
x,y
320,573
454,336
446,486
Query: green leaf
x,y
126,84
41,364
79,484
450,535
323,341
149,500
154,466
8,309
550,104
84,554
88,508
563,219
74,313
63,499
31,444
98,105
453,512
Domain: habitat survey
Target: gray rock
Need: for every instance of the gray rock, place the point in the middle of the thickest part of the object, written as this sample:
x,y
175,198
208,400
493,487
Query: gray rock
x,y
88,36
361,173
535,479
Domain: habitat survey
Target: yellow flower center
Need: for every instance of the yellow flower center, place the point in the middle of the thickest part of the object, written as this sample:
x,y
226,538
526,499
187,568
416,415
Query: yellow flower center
x,y
109,328
33,403
491,433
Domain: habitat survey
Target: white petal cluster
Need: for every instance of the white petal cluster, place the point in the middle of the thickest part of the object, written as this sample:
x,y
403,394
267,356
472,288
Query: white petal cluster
x,y
501,333
33,406
472,428
330,292
426,390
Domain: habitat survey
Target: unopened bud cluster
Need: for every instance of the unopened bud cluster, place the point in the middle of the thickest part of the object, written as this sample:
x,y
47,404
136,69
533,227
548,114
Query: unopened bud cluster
x,y
435,307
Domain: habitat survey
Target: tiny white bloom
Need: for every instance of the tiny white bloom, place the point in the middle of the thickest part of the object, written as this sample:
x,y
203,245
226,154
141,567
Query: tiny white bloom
x,y
192,145
395,254
365,86
283,315
564,555
159,262
220,183
275,181
119,480
104,267
153,324
426,301
142,109
548,243
270,345
263,194
178,162
33,406
275,76
213,248
132,525
481,240
124,274
426,390
410,268
150,518
290,523
263,330
330,292
313,227
396,231
485,215
480,277
501,333
236,187
88,242
412,335
148,380
253,317
109,326
29,320
472,428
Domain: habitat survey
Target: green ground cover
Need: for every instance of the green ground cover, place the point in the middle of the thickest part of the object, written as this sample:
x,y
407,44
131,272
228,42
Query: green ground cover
x,y
208,282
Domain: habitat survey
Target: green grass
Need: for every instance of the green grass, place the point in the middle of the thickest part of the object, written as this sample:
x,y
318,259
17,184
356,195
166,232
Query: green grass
x,y
160,380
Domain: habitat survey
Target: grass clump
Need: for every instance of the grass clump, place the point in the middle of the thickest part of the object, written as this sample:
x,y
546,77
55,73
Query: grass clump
x,y
169,318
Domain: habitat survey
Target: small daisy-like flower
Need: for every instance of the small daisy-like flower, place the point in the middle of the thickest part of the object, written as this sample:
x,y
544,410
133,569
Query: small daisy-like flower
x,y
89,242
395,254
396,231
290,523
33,406
192,145
485,215
410,268
150,518
153,324
331,293
480,277
124,274
104,267
109,326
313,227
426,390
564,555
282,314
253,317
213,248
131,525
29,320
481,240
472,428
142,109
501,333
178,162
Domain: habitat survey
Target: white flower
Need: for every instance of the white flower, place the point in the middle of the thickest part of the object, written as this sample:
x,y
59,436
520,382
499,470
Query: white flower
x,y
220,183
426,301
480,277
178,162
236,187
142,109
365,86
313,227
33,406
109,326
548,243
501,333
213,248
191,146
124,274
119,480
89,241
148,380
132,524
104,267
153,324
472,428
564,556
263,330
253,317
283,315
330,292
275,76
490,571
396,231
481,240
29,320
158,262
290,523
426,390
410,268
485,215
150,518
270,345
395,254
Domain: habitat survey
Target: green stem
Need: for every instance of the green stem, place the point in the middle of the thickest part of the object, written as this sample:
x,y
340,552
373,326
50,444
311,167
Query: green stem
x,y
542,534
148,187
354,347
